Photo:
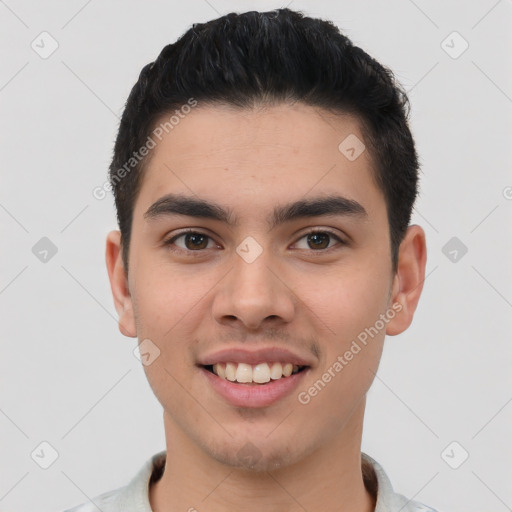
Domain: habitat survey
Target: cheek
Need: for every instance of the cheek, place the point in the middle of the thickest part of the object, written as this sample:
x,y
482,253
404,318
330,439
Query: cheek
x,y
164,298
164,306
351,302
347,300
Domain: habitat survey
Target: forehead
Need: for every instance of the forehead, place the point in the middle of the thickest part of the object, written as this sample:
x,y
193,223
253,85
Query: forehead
x,y
218,129
250,156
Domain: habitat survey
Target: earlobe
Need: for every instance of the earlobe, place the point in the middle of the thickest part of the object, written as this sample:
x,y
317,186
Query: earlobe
x,y
119,284
409,278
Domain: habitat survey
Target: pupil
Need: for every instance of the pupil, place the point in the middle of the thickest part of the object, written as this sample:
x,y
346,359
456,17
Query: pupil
x,y
195,236
315,236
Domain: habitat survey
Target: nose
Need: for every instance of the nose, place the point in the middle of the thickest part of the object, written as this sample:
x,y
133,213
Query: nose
x,y
254,293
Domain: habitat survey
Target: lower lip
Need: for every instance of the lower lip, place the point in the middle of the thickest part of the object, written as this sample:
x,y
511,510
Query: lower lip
x,y
254,395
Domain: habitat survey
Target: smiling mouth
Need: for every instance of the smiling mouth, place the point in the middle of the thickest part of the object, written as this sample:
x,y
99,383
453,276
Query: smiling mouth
x,y
251,375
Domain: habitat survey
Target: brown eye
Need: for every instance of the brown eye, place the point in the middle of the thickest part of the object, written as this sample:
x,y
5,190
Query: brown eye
x,y
195,241
320,240
192,241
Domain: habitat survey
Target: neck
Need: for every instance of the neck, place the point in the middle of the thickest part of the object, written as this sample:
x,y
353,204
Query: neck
x,y
329,478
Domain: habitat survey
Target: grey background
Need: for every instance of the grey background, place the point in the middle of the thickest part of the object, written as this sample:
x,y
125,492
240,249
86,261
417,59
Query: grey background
x,y
69,378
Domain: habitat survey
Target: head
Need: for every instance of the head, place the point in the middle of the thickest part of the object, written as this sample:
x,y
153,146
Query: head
x,y
279,123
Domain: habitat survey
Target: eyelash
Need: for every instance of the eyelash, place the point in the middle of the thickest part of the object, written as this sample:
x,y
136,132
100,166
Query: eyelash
x,y
168,243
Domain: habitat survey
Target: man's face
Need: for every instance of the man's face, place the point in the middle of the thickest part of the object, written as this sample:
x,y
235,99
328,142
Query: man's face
x,y
253,285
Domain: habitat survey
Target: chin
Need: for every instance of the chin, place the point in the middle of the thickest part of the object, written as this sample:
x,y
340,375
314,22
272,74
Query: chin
x,y
246,455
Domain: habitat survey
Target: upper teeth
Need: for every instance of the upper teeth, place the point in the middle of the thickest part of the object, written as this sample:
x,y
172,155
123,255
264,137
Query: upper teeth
x,y
260,373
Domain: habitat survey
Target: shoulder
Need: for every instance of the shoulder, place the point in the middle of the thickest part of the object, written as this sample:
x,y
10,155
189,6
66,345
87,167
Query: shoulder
x,y
106,502
132,497
402,504
387,499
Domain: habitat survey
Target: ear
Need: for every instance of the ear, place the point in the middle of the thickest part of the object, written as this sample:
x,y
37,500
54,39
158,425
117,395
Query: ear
x,y
119,285
408,280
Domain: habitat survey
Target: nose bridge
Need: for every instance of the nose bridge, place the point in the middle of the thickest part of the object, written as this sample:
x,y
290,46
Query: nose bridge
x,y
252,273
253,291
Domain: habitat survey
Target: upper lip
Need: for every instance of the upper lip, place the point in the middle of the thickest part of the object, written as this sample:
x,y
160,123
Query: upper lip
x,y
262,355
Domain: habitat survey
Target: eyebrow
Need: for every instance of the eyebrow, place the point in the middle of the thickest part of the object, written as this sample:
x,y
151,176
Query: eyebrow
x,y
177,204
